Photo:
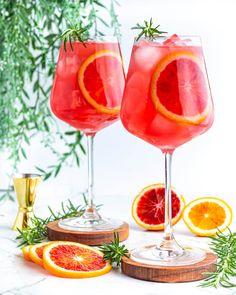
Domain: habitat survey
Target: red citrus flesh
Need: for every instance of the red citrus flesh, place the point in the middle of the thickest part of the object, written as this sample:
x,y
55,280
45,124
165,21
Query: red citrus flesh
x,y
148,207
39,251
179,88
151,208
74,260
64,256
100,81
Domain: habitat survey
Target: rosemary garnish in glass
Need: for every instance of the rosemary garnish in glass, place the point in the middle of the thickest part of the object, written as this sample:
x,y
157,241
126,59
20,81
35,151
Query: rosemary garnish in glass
x,y
74,33
148,30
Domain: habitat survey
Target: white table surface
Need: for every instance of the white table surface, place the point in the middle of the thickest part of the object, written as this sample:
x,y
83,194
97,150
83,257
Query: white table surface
x,y
20,277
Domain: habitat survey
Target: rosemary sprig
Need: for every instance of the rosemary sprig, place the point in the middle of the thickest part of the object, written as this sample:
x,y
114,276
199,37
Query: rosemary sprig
x,y
36,234
114,252
224,246
74,33
148,30
38,231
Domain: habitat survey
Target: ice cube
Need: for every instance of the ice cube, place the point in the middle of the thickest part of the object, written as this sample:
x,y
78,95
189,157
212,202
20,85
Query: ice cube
x,y
175,40
61,67
146,57
68,66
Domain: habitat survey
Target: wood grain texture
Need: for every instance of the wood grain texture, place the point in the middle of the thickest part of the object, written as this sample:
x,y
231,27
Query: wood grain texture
x,y
55,233
170,274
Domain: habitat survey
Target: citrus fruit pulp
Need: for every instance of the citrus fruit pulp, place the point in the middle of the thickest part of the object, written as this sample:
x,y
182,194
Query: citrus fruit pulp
x,y
100,82
25,251
74,260
179,88
148,208
208,215
36,252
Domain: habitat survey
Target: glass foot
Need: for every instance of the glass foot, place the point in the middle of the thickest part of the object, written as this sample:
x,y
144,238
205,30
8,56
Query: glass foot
x,y
155,256
90,225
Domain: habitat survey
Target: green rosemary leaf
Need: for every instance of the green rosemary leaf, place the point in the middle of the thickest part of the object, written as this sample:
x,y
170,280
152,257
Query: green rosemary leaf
x,y
40,169
23,153
99,3
224,245
114,252
148,30
70,133
38,232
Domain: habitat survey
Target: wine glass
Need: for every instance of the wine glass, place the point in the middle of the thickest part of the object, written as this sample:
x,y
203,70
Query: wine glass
x,y
167,102
86,94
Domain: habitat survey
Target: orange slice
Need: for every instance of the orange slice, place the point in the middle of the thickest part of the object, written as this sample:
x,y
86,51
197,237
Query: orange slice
x,y
206,216
74,260
25,251
36,252
101,81
148,208
179,88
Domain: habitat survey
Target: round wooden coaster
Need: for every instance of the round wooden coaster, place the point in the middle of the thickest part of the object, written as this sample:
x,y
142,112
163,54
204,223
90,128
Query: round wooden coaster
x,y
170,274
55,233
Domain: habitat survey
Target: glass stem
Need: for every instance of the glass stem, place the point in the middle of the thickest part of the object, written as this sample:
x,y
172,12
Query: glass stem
x,y
168,232
90,214
168,248
90,171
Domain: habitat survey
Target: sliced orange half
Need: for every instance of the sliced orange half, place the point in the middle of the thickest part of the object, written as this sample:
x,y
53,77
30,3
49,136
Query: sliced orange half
x,y
25,251
36,252
74,260
179,88
101,81
148,208
206,216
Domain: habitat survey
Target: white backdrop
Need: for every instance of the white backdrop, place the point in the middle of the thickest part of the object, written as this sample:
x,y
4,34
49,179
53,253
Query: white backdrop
x,y
123,163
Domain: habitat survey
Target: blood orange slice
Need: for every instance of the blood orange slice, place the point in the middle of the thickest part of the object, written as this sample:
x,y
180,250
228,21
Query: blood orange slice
x,y
36,252
25,251
101,81
148,207
179,88
74,260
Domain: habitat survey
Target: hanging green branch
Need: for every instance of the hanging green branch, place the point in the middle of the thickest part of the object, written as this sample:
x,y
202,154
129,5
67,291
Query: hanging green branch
x,y
29,47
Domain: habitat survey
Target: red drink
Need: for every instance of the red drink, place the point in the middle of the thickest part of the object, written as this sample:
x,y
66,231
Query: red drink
x,y
88,85
87,92
167,99
167,102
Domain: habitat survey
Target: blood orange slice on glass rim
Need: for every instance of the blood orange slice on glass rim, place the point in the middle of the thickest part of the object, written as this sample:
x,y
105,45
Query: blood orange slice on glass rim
x,y
179,88
148,208
74,260
101,81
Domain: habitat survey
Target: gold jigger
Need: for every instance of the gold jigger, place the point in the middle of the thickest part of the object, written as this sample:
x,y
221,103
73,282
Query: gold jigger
x,y
25,186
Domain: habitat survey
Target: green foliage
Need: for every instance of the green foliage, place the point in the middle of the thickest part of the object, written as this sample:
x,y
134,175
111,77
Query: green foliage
x,y
29,47
114,252
38,232
148,30
224,246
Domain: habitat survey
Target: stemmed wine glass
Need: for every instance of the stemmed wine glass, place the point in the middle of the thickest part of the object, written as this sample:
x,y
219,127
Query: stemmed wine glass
x,y
167,102
86,94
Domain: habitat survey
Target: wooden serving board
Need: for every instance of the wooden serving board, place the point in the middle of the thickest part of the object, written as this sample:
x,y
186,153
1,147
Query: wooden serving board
x,y
169,274
55,233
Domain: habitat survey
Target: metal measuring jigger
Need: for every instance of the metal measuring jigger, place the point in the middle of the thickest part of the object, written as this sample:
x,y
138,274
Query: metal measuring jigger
x,y
25,186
